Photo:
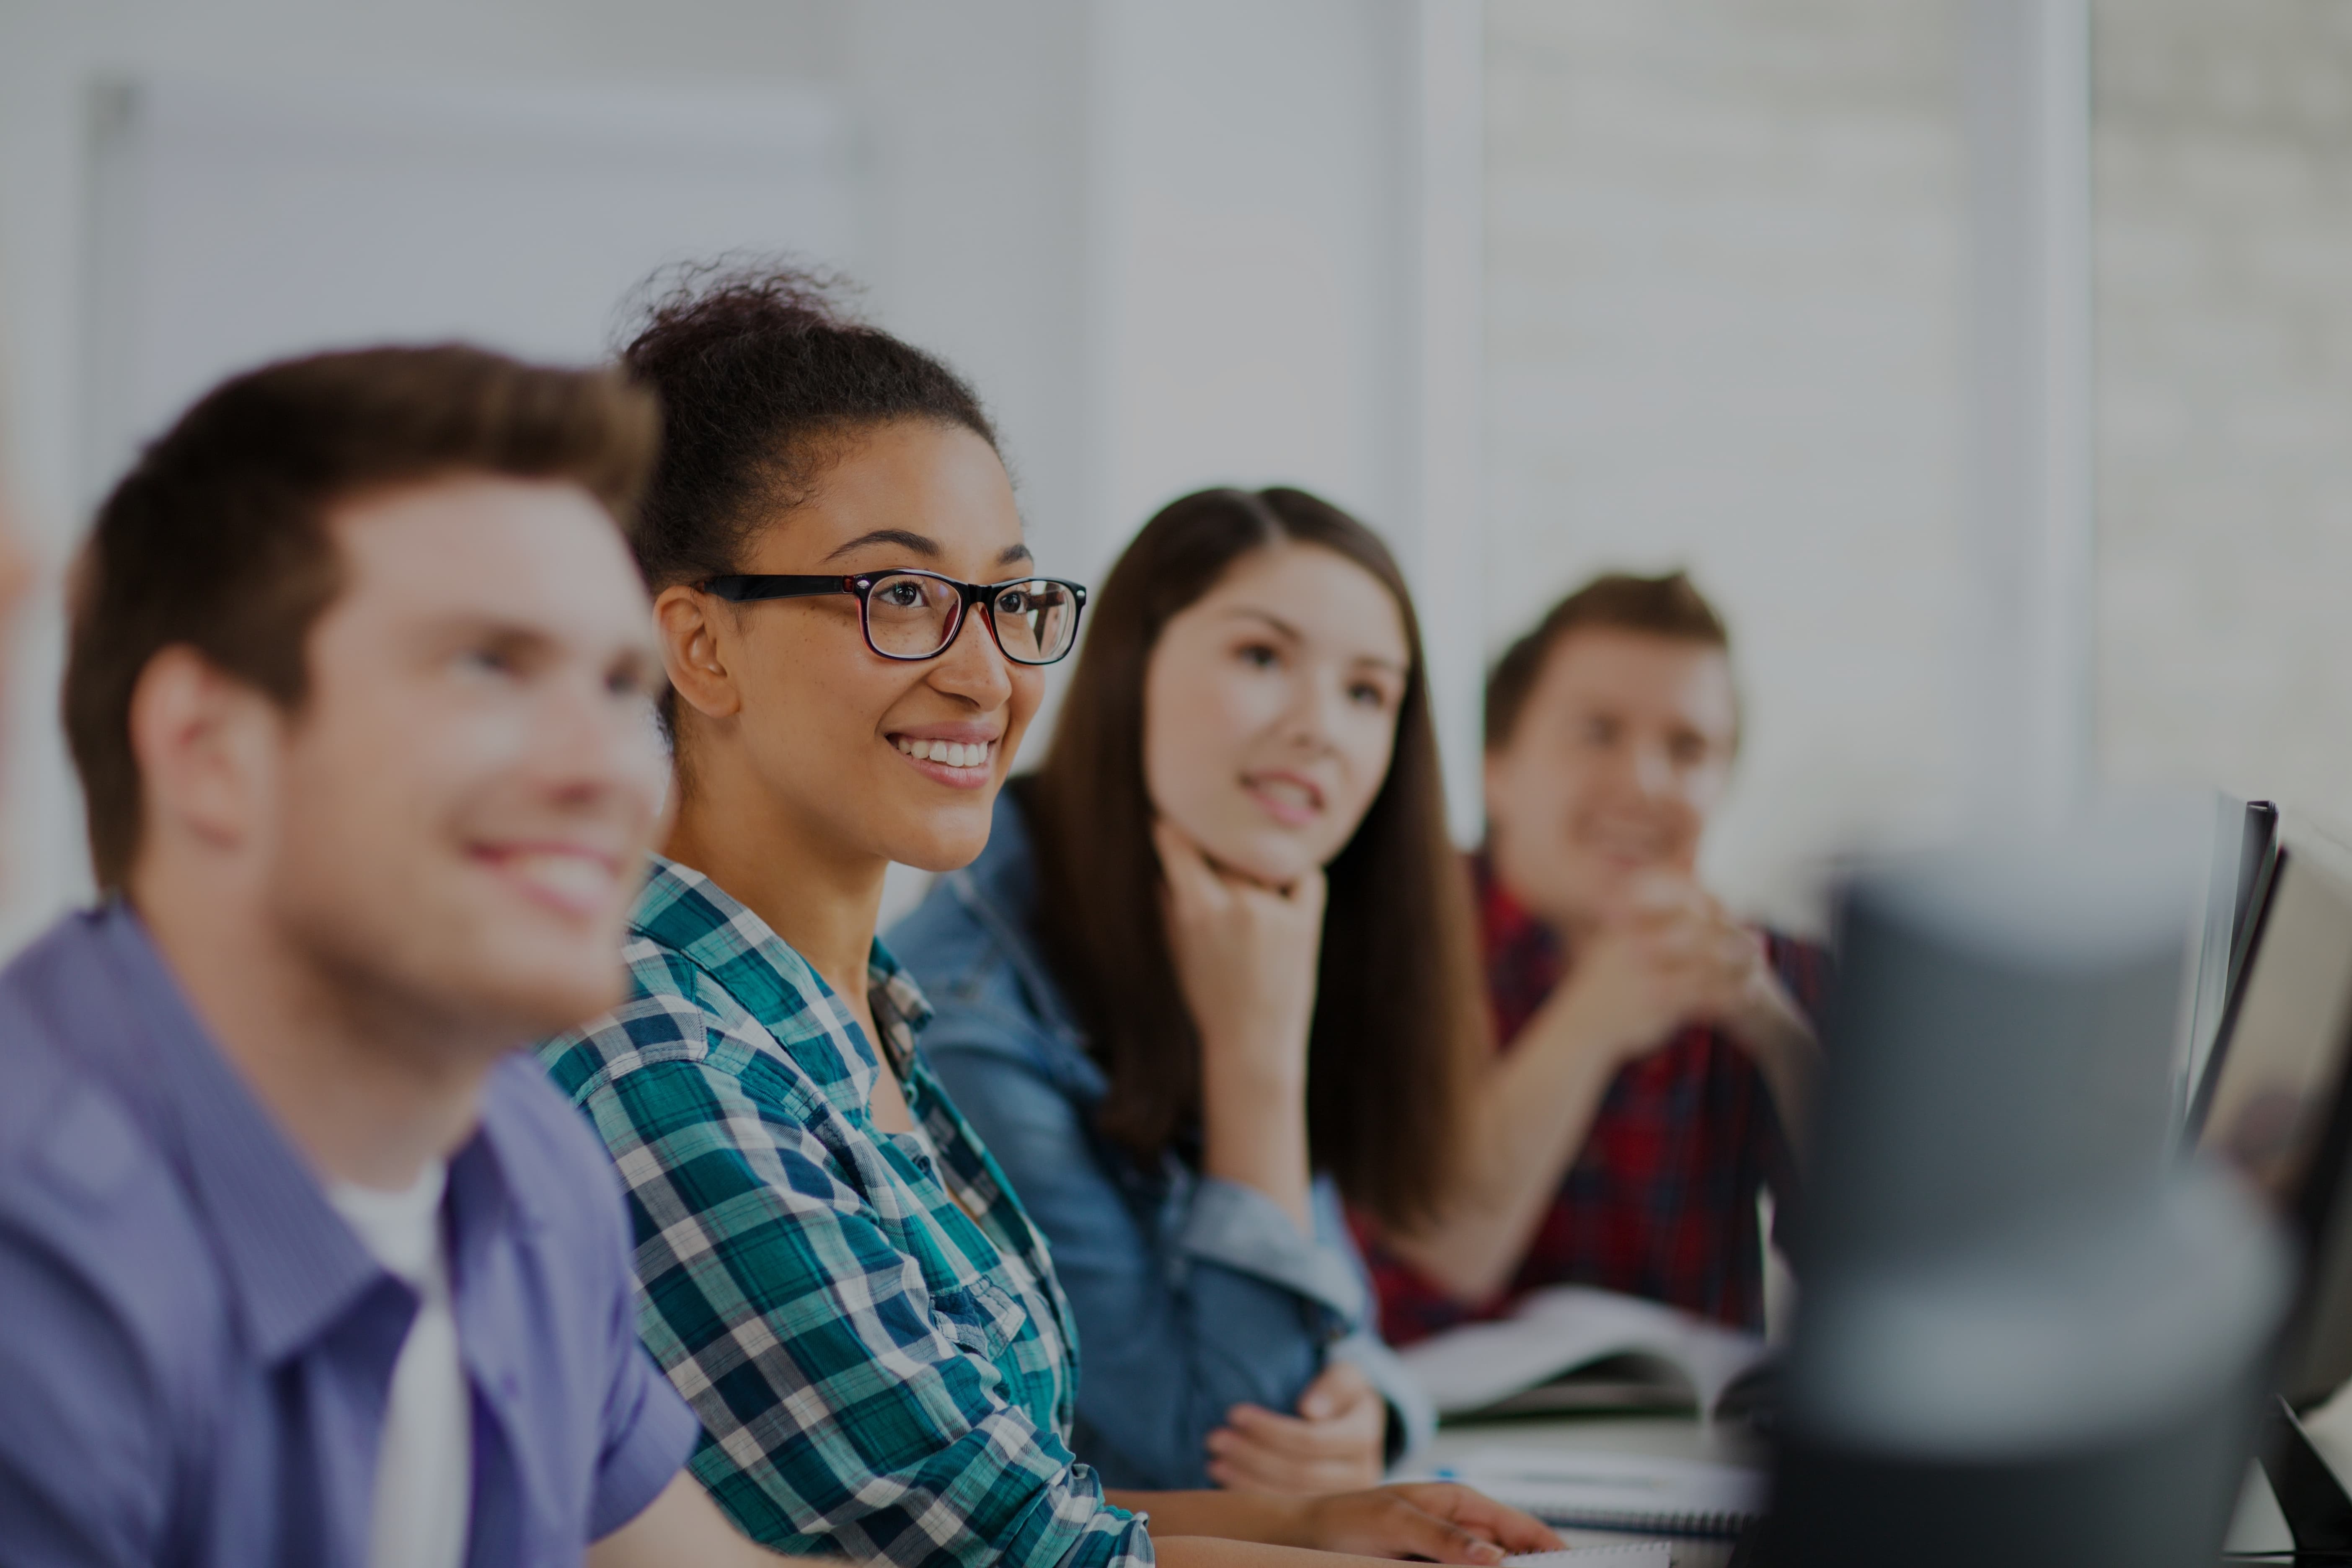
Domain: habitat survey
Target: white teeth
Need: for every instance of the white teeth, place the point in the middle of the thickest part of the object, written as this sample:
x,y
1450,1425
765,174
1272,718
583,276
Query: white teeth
x,y
579,877
954,753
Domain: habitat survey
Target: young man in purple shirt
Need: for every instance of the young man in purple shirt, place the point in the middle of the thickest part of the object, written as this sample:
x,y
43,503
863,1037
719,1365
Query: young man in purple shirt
x,y
300,1265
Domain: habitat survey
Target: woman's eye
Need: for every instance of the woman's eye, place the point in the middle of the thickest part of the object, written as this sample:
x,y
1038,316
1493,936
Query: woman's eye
x,y
486,661
1013,602
1367,695
1259,656
902,595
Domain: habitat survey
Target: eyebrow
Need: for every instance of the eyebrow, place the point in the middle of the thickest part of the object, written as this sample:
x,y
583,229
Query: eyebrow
x,y
922,545
1270,618
464,627
1295,634
905,539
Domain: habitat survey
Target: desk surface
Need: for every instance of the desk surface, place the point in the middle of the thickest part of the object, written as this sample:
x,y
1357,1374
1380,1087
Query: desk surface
x,y
1676,1437
2257,1528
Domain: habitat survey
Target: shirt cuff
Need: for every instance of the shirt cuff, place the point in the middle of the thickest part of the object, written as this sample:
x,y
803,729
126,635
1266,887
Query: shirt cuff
x,y
637,1470
1241,1228
1412,1415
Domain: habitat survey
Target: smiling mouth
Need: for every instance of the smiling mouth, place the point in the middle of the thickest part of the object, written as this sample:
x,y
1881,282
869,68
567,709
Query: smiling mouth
x,y
1294,803
1635,848
975,757
575,881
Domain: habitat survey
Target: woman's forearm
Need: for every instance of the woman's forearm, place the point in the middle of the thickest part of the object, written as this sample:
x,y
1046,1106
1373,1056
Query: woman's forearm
x,y
1778,1038
1258,1518
1253,1127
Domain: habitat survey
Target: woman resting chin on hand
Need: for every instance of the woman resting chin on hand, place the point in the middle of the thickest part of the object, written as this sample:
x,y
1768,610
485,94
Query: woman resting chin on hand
x,y
1211,976
837,1276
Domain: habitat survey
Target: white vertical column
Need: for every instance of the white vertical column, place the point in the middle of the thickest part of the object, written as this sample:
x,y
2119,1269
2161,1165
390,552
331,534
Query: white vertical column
x,y
1445,435
2028,651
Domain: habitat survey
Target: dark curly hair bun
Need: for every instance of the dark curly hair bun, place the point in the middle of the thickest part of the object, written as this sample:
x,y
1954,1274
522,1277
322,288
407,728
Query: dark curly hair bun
x,y
762,371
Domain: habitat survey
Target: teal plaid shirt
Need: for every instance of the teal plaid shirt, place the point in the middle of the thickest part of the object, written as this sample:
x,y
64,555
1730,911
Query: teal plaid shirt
x,y
866,1323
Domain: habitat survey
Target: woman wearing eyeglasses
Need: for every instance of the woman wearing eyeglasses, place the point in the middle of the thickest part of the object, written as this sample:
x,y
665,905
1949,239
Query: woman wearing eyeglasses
x,y
1212,971
836,1273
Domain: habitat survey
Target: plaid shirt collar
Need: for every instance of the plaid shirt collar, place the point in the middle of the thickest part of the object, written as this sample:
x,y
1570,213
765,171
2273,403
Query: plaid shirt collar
x,y
684,910
1525,958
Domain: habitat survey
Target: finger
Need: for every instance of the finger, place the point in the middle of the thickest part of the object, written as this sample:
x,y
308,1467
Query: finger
x,y
1238,1463
1307,1439
1662,892
1334,1389
1258,1470
1477,1512
1414,1532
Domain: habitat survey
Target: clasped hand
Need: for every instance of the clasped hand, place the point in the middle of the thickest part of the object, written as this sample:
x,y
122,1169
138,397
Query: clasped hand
x,y
1667,956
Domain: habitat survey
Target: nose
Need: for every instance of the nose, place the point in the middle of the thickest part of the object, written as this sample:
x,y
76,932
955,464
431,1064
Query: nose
x,y
974,668
1654,771
1312,716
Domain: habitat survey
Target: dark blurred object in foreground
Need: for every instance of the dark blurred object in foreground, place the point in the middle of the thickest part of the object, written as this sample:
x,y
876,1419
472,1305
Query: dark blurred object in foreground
x,y
2029,1334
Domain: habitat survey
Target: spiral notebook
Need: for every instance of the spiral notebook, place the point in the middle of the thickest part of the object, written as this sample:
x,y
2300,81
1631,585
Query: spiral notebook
x,y
1618,1491
1629,1554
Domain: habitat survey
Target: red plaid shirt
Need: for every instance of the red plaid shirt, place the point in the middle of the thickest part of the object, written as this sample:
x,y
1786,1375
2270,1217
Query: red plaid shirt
x,y
1661,1200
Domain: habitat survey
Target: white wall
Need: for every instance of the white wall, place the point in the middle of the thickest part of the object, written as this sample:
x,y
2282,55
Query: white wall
x,y
2225,243
50,53
1173,245
971,227
1723,295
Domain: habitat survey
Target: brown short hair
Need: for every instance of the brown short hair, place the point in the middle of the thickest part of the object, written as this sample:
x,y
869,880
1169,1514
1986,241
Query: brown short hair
x,y
1398,1005
217,537
1668,606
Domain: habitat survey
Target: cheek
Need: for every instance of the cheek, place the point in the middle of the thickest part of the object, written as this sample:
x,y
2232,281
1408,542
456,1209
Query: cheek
x,y
1545,797
1701,790
1196,724
1369,750
810,703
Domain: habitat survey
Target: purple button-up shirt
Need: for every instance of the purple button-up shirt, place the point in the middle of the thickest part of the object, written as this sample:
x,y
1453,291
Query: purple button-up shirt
x,y
195,1351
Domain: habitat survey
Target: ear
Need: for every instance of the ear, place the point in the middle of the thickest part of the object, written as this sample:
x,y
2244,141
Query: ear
x,y
206,745
693,650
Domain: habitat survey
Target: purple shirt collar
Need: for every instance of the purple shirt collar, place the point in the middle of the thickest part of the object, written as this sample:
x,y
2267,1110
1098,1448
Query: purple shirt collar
x,y
294,1266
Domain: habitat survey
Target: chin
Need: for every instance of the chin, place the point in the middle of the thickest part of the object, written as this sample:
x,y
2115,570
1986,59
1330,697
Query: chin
x,y
549,1002
942,851
1275,861
545,986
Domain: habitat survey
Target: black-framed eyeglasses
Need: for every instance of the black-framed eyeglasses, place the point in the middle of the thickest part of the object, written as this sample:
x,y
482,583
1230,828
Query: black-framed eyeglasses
x,y
913,614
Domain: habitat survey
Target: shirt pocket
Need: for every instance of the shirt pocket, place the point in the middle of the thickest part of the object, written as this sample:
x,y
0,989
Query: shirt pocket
x,y
979,1317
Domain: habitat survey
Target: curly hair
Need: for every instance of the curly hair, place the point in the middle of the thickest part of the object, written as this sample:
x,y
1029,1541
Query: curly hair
x,y
764,376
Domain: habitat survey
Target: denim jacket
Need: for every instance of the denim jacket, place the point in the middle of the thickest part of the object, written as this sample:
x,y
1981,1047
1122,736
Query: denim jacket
x,y
1191,1293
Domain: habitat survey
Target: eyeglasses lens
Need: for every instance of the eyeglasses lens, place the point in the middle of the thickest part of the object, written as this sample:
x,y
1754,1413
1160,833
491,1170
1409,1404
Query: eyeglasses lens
x,y
910,616
1035,620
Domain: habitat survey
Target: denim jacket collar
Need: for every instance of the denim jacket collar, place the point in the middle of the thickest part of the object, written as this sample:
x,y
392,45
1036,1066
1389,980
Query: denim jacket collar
x,y
1000,891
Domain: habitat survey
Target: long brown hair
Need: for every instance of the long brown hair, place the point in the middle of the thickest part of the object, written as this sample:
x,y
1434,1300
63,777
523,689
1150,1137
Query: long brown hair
x,y
1396,1002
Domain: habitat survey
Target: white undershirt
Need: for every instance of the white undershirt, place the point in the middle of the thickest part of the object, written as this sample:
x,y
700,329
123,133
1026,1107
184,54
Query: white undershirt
x,y
424,1476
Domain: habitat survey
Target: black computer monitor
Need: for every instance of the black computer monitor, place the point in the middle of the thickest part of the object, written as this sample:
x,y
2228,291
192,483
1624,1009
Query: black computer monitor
x,y
2276,1100
2244,845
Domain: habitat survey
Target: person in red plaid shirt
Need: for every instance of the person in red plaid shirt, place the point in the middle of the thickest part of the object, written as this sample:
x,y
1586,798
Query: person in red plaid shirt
x,y
1655,1052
